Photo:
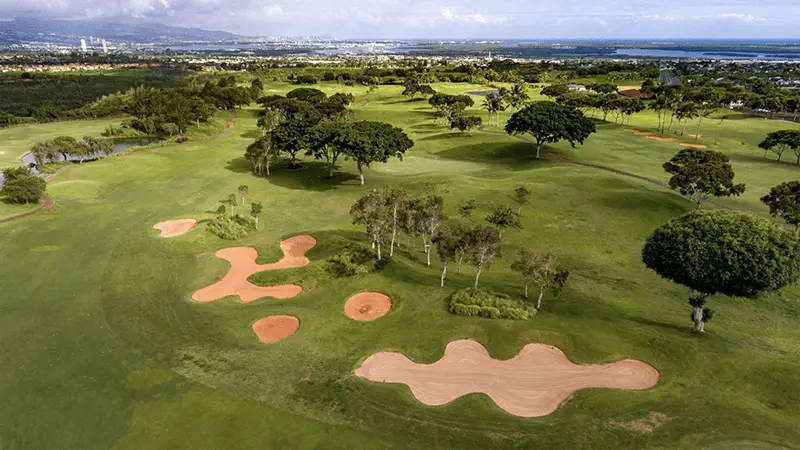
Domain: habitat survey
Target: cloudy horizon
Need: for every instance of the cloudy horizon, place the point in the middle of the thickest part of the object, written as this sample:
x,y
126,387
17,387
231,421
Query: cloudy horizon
x,y
435,19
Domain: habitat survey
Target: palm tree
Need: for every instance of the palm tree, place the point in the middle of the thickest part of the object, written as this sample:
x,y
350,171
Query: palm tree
x,y
488,105
685,112
518,96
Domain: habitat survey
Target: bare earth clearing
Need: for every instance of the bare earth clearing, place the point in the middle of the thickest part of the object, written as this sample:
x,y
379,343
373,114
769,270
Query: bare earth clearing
x,y
173,228
367,306
243,264
532,384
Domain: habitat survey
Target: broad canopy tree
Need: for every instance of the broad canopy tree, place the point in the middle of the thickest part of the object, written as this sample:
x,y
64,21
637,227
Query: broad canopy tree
x,y
551,122
784,202
699,174
780,141
367,142
22,186
723,252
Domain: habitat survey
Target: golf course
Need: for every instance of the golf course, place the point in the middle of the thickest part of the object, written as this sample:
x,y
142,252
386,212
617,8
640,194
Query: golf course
x,y
116,334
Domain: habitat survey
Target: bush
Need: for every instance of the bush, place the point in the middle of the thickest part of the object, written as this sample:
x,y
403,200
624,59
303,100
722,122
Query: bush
x,y
354,260
21,186
305,79
472,302
232,228
182,139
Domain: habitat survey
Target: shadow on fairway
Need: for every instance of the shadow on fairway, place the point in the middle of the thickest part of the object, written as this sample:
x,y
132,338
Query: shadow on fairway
x,y
514,155
252,134
771,159
445,136
311,176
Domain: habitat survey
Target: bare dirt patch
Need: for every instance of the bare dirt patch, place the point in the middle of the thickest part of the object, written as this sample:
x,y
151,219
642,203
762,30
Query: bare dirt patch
x,y
367,306
243,264
532,384
696,136
647,425
275,328
639,133
660,139
173,228
685,144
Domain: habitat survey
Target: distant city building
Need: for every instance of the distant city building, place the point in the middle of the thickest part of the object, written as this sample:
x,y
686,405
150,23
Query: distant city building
x,y
105,46
83,46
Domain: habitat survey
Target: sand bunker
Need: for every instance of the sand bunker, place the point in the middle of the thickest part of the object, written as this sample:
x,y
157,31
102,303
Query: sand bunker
x,y
660,139
276,328
639,133
243,264
532,384
684,144
367,306
696,136
172,228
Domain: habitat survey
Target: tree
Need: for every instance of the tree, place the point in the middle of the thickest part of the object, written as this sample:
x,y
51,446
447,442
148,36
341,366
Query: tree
x,y
517,96
555,90
255,211
482,248
466,123
521,194
44,153
780,141
731,253
232,202
324,141
372,212
493,104
784,202
66,145
466,208
550,122
262,154
290,136
271,119
395,199
22,186
700,174
95,146
685,112
367,142
431,217
243,191
446,247
309,95
542,270
504,217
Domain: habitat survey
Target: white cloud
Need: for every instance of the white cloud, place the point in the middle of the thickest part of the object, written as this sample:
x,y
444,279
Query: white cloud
x,y
448,15
742,17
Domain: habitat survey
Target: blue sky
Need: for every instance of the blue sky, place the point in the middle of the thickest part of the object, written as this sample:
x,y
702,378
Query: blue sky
x,y
455,19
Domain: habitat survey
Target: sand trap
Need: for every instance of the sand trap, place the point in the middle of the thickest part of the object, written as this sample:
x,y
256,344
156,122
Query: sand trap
x,y
696,136
172,228
639,133
660,139
243,264
276,328
684,144
367,306
532,384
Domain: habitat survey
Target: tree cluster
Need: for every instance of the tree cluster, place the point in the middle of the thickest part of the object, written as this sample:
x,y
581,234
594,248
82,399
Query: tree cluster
x,y
66,148
22,186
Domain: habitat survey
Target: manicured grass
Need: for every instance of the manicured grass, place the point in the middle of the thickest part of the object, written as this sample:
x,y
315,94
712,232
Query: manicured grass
x,y
103,347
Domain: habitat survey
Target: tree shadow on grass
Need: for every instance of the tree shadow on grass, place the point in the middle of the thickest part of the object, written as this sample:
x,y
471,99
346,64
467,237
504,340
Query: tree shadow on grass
x,y
626,194
663,325
238,165
445,136
788,160
252,134
311,176
515,155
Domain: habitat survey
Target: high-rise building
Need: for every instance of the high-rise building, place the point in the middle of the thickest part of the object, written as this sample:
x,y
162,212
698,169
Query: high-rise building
x,y
83,46
105,46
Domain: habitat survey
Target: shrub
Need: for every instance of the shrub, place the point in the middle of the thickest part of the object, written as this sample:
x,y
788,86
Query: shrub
x,y
182,139
473,302
232,228
354,260
21,186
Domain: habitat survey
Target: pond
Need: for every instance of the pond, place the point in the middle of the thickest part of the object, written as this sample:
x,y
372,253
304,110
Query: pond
x,y
483,93
120,145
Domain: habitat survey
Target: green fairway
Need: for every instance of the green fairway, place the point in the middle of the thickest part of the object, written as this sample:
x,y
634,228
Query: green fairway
x,y
102,346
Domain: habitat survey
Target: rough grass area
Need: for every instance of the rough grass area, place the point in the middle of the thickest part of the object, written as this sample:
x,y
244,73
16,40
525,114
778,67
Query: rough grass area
x,y
102,346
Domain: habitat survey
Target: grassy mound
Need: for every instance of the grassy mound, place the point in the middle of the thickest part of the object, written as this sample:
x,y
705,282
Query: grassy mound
x,y
482,303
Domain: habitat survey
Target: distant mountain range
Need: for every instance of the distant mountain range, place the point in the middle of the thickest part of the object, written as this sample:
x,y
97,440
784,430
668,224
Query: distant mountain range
x,y
130,31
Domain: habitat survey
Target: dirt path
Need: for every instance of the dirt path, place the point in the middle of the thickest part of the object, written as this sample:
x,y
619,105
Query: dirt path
x,y
243,264
532,384
48,201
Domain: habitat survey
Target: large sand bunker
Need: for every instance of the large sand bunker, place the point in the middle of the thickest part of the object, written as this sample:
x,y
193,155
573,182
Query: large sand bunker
x,y
367,306
275,328
243,264
172,228
660,139
532,384
684,144
639,133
